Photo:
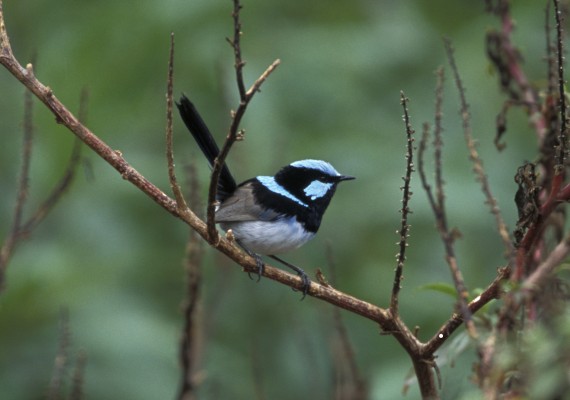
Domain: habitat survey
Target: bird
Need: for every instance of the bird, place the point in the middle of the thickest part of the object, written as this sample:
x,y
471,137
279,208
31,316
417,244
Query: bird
x,y
268,215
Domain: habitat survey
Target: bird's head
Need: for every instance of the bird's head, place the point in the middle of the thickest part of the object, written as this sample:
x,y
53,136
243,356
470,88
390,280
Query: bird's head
x,y
313,182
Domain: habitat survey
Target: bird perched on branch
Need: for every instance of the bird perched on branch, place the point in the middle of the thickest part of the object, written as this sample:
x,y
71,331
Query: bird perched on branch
x,y
268,215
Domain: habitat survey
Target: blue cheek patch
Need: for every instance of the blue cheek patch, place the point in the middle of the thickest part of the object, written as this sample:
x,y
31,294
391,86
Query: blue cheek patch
x,y
269,183
317,189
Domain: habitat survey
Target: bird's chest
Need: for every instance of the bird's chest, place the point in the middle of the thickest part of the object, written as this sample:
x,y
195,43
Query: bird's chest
x,y
270,237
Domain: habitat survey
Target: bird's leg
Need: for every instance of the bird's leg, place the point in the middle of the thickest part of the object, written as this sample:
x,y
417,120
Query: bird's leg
x,y
300,272
258,262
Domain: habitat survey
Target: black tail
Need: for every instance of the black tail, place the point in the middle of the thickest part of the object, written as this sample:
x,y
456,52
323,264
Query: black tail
x,y
206,142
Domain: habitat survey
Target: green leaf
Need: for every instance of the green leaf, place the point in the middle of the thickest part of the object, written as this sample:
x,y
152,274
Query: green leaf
x,y
440,287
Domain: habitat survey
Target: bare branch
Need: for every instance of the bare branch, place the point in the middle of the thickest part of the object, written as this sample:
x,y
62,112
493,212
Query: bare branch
x,y
189,346
234,132
61,362
562,139
545,269
405,210
438,204
492,292
349,383
478,168
507,60
438,139
11,240
180,201
78,377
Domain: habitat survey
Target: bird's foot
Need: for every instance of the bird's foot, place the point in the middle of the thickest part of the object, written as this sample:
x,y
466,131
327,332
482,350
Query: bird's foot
x,y
304,277
260,266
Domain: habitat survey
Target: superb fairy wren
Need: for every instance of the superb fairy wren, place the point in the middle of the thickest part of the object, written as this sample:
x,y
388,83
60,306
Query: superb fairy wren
x,y
268,214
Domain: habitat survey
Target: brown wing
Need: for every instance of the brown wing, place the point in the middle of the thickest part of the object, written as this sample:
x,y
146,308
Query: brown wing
x,y
241,206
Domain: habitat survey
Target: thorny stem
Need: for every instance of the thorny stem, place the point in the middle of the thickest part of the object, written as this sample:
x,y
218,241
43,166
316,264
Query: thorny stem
x,y
561,150
405,210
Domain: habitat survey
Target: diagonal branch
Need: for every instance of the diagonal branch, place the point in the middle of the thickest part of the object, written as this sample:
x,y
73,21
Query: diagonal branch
x,y
234,132
129,173
11,240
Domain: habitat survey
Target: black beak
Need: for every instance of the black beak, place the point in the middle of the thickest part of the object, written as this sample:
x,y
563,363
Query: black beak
x,y
345,178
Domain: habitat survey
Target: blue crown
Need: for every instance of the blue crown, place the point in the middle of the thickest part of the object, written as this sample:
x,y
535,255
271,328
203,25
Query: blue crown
x,y
317,165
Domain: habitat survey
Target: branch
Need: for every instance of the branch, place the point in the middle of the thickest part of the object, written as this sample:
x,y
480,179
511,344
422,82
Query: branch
x,y
478,168
189,346
557,193
405,210
180,201
21,230
492,292
349,383
545,269
561,150
438,204
507,59
11,240
234,132
61,360
130,174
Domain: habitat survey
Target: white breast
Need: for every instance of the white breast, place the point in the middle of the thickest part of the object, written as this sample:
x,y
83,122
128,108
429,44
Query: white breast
x,y
269,237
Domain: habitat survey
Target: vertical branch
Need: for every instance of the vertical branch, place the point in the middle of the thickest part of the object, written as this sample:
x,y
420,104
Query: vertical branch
x,y
180,201
234,132
64,182
192,265
561,150
12,237
438,140
61,362
78,377
438,204
349,383
405,211
474,155
235,43
507,60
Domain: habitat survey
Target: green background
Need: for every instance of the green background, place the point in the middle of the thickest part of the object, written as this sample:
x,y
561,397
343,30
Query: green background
x,y
113,258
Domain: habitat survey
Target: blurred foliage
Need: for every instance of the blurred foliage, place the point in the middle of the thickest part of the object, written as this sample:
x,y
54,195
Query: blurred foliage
x,y
114,258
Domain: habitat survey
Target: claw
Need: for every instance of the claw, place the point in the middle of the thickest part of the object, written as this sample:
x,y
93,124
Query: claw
x,y
306,282
304,277
260,266
258,262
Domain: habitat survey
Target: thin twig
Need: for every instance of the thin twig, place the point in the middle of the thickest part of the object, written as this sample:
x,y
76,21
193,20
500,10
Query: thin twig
x,y
61,362
492,292
78,378
405,210
234,132
357,387
478,168
189,346
545,269
438,139
507,59
437,204
11,240
561,150
178,195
